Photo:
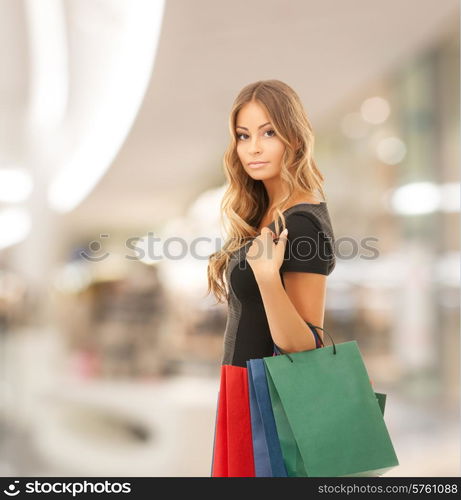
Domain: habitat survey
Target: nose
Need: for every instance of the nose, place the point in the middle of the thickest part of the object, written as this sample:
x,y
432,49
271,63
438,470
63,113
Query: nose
x,y
255,146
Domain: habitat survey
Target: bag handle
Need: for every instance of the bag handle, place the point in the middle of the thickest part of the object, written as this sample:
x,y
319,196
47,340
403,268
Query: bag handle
x,y
312,327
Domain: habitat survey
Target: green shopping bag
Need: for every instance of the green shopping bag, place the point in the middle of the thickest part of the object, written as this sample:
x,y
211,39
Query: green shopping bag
x,y
329,421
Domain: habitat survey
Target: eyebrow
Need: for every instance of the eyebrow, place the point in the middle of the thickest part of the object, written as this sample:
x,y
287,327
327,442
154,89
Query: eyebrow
x,y
261,126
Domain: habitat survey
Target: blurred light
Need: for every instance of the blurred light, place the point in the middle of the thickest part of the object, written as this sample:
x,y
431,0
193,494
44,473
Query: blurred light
x,y
385,272
15,225
353,126
204,220
206,208
73,278
447,270
416,198
130,70
375,110
450,197
424,197
152,246
186,276
46,30
15,185
391,150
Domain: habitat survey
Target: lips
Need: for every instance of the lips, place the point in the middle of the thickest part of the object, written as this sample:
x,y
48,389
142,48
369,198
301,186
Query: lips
x,y
257,164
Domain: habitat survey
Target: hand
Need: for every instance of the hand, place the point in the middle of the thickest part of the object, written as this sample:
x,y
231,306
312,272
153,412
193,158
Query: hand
x,y
264,256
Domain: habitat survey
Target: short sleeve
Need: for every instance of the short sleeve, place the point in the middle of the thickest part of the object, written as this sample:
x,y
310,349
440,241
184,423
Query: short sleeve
x,y
308,249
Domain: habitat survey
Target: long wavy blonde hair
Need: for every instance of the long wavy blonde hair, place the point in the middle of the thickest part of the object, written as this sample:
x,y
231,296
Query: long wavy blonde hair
x,y
245,201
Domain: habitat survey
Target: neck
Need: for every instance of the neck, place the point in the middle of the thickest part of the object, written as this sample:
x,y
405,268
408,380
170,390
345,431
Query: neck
x,y
276,193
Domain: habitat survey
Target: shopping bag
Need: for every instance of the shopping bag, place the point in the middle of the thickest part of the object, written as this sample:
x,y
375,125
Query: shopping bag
x,y
233,448
329,421
267,453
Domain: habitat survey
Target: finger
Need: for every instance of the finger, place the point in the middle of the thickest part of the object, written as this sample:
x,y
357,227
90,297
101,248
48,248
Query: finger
x,y
257,247
281,243
283,237
267,235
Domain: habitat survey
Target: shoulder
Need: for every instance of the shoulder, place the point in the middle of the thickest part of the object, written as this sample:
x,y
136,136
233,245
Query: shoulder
x,y
302,221
309,217
310,242
308,221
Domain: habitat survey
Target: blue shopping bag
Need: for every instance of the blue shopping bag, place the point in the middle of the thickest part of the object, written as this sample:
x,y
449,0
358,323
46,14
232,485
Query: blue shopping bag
x,y
266,446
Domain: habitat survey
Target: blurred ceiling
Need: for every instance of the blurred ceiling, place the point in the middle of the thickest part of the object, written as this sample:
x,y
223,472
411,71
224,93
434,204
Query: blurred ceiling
x,y
328,51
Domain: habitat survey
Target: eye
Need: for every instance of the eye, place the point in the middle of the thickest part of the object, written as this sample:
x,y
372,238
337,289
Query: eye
x,y
239,135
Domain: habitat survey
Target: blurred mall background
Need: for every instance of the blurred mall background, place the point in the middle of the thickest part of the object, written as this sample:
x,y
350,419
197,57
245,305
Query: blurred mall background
x,y
113,120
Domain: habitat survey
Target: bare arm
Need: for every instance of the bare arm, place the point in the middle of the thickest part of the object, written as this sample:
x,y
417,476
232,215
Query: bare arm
x,y
287,310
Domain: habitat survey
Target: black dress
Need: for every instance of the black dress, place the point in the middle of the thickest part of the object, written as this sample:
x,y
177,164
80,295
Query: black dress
x,y
309,248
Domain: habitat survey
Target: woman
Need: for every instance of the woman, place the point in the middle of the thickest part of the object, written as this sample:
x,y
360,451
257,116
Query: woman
x,y
274,281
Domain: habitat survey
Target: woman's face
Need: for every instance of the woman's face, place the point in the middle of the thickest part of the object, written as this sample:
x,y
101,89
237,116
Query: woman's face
x,y
257,142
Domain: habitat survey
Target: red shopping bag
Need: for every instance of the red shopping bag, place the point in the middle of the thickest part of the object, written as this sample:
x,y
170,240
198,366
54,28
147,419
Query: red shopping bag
x,y
233,445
